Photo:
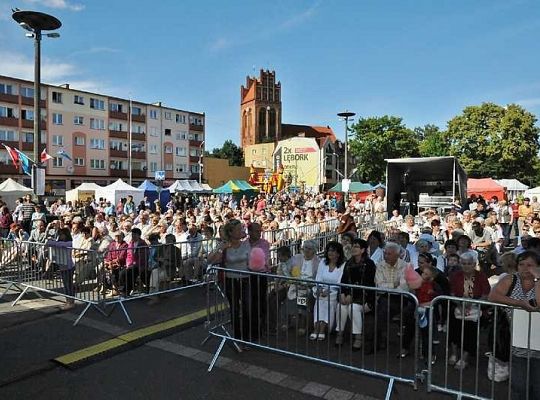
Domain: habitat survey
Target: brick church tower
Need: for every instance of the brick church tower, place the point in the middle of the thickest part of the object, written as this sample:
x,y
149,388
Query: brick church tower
x,y
260,109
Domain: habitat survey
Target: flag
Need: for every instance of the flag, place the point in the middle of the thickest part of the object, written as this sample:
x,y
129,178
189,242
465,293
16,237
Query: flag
x,y
13,154
62,153
45,156
25,162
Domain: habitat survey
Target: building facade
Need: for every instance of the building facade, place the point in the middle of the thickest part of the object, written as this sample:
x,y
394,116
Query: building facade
x,y
93,130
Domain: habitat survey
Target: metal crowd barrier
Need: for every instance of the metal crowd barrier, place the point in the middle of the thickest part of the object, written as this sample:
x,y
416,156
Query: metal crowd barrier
x,y
10,254
278,313
486,351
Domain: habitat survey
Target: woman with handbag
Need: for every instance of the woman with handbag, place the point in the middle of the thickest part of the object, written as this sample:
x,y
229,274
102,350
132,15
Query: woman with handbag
x,y
467,283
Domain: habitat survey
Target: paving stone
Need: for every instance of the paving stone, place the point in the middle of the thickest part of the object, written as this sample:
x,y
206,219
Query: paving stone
x,y
338,394
315,389
274,377
202,356
294,383
255,372
236,366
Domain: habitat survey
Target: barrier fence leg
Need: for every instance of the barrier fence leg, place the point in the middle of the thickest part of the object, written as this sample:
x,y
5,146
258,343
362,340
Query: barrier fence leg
x,y
9,288
82,314
102,312
20,296
389,389
216,355
125,312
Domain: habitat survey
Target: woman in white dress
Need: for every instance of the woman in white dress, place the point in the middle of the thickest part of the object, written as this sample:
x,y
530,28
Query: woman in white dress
x,y
329,272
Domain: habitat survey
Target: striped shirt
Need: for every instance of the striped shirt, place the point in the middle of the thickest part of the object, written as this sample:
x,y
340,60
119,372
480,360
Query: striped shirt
x,y
391,276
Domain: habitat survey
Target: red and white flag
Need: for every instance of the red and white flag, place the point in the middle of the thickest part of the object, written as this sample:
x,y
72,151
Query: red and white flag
x,y
13,154
45,156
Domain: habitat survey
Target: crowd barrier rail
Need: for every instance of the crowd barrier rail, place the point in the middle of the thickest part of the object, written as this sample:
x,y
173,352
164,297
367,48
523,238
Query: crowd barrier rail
x,y
278,314
491,353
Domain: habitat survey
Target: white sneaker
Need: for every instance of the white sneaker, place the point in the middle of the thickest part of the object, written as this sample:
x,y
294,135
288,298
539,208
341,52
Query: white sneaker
x,y
460,365
452,360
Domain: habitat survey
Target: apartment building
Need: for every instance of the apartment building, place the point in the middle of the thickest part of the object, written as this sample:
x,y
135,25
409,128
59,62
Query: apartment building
x,y
93,129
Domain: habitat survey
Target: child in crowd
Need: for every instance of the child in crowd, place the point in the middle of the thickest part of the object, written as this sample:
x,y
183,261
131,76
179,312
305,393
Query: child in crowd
x,y
279,293
452,264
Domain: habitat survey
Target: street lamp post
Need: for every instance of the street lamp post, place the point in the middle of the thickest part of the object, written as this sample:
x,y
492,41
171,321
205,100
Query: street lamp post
x,y
37,22
346,115
200,161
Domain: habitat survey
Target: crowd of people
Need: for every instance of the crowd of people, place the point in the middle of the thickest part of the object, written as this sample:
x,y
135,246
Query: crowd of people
x,y
469,253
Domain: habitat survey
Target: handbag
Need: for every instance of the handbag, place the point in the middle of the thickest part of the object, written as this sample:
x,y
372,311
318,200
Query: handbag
x,y
472,313
497,370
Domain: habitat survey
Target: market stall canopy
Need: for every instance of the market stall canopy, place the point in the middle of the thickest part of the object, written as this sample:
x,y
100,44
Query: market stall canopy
x,y
235,186
83,191
355,187
151,193
182,186
207,188
514,188
11,190
532,192
486,187
120,190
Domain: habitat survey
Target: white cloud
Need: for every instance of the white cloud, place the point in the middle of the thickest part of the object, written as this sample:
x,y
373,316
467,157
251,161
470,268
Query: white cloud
x,y
58,4
532,102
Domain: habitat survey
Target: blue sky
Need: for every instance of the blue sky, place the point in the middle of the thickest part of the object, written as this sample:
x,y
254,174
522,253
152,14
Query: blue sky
x,y
423,60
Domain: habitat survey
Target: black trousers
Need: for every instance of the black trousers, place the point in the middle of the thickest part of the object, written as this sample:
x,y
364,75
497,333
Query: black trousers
x,y
390,306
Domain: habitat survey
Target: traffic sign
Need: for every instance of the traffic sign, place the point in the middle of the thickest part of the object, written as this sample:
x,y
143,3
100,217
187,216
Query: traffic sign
x,y
160,175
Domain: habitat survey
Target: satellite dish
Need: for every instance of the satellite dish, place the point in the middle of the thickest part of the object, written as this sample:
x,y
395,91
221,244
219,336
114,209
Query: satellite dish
x,y
70,169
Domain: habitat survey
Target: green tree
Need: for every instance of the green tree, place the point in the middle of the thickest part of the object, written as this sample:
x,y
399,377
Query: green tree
x,y
432,141
495,141
378,138
231,152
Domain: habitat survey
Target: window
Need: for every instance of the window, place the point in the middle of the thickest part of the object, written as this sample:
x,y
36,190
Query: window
x,y
180,151
167,132
96,123
194,152
138,129
153,114
194,168
168,167
116,126
79,141
153,166
116,164
136,111
58,162
153,149
193,120
57,140
116,107
27,92
9,136
168,115
78,100
79,162
178,118
6,112
27,114
168,149
57,119
181,167
137,147
6,89
97,144
97,164
78,120
117,145
27,137
97,104
57,97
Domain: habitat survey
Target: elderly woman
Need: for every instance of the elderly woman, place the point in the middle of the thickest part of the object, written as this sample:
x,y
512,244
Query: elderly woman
x,y
521,290
329,272
411,228
61,256
468,283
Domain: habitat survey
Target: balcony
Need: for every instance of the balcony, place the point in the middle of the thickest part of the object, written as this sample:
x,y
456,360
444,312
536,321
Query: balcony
x,y
118,115
138,118
9,98
29,101
118,134
137,173
195,143
140,155
27,123
118,153
138,136
118,172
8,169
10,143
29,146
194,159
193,127
9,121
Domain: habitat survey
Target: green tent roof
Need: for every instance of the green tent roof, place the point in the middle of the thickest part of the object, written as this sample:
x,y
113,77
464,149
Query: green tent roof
x,y
235,186
354,187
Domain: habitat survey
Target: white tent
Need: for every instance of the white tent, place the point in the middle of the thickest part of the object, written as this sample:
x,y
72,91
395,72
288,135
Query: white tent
x,y
10,191
119,190
514,188
83,191
180,186
532,192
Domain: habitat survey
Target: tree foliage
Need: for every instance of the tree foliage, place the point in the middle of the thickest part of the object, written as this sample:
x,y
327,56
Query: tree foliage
x,y
495,141
231,152
432,141
376,139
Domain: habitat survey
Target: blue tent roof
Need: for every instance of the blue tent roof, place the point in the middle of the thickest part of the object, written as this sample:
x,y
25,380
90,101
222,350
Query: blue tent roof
x,y
148,186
